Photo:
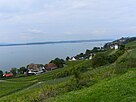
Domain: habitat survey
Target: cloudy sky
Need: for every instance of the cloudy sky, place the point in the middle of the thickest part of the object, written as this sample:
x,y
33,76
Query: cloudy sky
x,y
49,20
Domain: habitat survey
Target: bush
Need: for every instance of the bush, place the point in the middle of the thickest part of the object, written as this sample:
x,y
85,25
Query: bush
x,y
59,62
112,58
81,66
99,59
119,53
121,68
1,74
124,64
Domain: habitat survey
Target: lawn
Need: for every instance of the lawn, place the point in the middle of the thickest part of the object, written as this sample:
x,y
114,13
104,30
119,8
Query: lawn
x,y
7,87
31,85
131,45
119,89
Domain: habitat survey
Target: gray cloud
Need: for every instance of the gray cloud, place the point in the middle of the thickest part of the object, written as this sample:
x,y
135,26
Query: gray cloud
x,y
65,19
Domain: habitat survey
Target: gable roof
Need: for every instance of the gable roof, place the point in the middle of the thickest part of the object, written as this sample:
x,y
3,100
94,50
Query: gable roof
x,y
50,66
8,75
34,67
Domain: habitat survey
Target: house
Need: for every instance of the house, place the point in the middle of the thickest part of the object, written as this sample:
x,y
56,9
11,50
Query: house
x,y
50,66
81,58
8,75
91,56
35,69
72,59
114,46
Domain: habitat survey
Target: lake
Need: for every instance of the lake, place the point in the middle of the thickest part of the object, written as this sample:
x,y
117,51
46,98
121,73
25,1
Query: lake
x,y
18,56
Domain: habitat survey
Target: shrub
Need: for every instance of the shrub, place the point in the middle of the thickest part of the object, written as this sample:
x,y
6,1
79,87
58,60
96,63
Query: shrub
x,y
124,64
120,68
70,70
112,58
119,53
99,59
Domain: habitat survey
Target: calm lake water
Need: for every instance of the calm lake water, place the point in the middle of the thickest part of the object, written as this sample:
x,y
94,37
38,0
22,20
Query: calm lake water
x,y
18,56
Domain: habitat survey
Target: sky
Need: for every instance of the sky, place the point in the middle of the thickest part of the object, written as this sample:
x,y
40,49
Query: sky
x,y
54,20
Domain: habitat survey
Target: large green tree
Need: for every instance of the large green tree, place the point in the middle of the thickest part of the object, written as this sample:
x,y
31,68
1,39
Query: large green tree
x,y
21,70
1,73
14,71
59,62
100,59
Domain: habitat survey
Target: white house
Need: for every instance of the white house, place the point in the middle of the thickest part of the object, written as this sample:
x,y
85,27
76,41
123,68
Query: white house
x,y
115,46
35,69
72,59
91,55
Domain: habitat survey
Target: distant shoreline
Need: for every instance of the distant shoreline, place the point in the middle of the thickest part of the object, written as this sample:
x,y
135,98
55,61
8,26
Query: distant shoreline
x,y
53,42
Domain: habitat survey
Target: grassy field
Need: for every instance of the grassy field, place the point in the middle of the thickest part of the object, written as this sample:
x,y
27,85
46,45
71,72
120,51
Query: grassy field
x,y
8,87
118,89
18,88
131,44
31,92
15,84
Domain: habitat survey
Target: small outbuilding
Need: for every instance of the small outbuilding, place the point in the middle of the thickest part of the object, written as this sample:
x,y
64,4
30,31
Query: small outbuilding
x,y
73,59
114,46
50,66
8,75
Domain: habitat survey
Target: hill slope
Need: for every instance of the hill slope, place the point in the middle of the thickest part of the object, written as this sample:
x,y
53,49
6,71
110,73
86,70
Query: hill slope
x,y
121,88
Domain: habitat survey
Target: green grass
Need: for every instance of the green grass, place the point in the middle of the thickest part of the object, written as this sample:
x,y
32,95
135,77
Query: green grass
x,y
7,87
118,89
132,54
33,91
21,87
13,85
131,45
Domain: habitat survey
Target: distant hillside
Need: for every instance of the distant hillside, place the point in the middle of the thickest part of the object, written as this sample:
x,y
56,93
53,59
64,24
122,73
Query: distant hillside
x,y
120,41
52,42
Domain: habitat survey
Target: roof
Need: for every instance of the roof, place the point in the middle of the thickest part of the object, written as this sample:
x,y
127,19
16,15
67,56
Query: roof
x,y
50,66
35,67
8,75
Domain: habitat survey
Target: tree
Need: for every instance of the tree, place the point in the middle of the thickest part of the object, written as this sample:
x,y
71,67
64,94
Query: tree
x,y
96,49
122,47
100,59
1,73
112,58
67,58
59,62
14,71
22,70
87,52
77,77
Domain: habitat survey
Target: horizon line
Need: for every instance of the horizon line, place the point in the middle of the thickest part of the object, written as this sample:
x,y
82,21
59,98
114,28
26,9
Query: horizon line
x,y
53,42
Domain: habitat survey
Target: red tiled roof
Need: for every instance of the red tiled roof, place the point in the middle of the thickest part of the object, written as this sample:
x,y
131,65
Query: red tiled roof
x,y
50,66
8,75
